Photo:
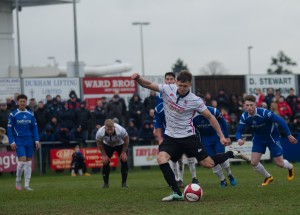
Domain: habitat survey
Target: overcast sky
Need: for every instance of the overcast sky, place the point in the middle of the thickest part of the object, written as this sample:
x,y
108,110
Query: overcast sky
x,y
197,31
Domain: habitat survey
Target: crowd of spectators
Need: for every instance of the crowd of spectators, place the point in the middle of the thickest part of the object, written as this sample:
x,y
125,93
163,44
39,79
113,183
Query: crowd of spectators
x,y
70,120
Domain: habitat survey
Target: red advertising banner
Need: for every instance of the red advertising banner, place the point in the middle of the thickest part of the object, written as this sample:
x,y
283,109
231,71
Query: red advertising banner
x,y
62,158
109,85
9,160
93,158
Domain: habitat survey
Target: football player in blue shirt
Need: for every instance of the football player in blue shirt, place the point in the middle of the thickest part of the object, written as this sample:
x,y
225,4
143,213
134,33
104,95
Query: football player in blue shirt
x,y
22,133
211,142
264,134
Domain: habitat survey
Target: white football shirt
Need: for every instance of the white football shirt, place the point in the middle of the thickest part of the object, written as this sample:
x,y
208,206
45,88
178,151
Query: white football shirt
x,y
116,139
179,111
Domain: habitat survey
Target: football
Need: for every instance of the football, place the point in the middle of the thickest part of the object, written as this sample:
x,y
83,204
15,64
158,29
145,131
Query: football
x,y
193,193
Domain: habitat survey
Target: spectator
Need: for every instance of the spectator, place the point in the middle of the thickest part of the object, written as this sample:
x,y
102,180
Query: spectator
x,y
77,135
59,101
132,133
54,124
291,99
225,115
4,113
233,125
136,109
73,102
67,115
208,99
269,97
32,105
78,163
48,101
104,101
150,116
222,99
145,135
99,113
116,109
234,105
214,103
150,102
259,97
42,116
283,108
11,104
94,131
274,106
63,133
55,108
82,119
3,140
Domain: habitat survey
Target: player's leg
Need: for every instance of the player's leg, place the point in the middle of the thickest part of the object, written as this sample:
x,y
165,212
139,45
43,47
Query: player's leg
x,y
217,170
192,167
258,167
180,172
175,168
124,167
277,154
169,149
20,166
220,148
106,167
27,168
258,149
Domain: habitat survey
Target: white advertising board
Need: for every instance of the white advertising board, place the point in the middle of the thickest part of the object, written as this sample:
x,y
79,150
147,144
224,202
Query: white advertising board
x,y
282,82
9,86
39,88
145,155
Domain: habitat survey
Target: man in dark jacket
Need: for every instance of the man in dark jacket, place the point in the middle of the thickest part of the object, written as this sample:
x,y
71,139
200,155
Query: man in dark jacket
x,y
42,117
82,119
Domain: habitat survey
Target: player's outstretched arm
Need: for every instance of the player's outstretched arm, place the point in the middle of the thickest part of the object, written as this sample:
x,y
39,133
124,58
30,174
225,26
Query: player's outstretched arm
x,y
145,83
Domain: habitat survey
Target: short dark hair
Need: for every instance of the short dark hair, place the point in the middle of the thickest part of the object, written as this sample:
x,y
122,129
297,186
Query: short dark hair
x,y
250,98
170,74
184,76
21,96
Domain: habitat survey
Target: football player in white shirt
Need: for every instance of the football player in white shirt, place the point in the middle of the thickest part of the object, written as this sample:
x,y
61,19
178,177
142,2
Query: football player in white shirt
x,y
180,106
112,138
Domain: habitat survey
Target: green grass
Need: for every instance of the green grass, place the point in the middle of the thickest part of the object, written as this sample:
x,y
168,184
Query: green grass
x,y
63,194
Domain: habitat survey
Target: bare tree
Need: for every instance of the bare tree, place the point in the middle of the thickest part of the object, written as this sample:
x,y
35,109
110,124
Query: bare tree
x,y
213,68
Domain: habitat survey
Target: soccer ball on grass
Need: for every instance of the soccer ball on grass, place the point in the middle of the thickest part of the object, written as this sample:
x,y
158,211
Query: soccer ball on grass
x,y
193,193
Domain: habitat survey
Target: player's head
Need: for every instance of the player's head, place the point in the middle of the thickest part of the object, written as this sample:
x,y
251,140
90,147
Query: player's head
x,y
22,101
184,82
250,104
109,127
169,78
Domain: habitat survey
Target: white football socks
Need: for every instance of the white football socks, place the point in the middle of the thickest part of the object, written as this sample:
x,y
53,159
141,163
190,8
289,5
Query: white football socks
x,y
287,165
261,170
192,167
218,171
27,173
20,167
175,168
226,166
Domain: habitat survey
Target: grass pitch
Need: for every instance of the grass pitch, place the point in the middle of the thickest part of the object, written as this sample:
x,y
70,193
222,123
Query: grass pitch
x,y
63,194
